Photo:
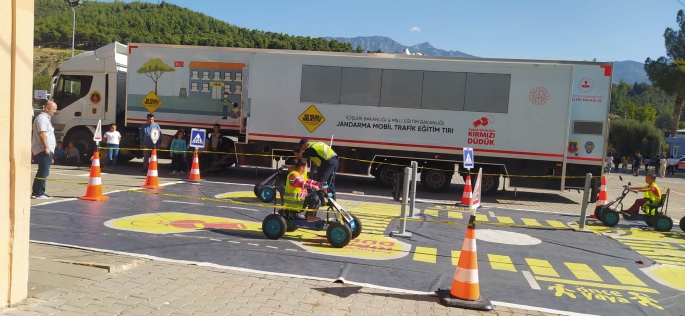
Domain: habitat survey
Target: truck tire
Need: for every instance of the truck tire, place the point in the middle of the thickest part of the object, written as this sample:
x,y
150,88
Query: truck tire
x,y
489,185
83,140
436,180
385,174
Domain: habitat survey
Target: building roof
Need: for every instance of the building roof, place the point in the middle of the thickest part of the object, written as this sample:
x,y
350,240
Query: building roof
x,y
216,65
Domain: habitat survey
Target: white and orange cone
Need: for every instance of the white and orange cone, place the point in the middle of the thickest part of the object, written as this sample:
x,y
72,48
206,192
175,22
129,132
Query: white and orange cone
x,y
602,200
465,290
468,192
194,174
152,179
94,190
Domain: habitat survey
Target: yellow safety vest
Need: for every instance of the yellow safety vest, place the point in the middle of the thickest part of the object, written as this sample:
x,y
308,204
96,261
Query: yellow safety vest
x,y
291,199
323,150
650,195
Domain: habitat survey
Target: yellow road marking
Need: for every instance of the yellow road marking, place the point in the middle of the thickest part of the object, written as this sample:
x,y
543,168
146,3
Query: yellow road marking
x,y
454,214
541,267
601,285
505,219
433,213
582,271
530,222
624,276
556,224
425,254
455,257
482,218
498,262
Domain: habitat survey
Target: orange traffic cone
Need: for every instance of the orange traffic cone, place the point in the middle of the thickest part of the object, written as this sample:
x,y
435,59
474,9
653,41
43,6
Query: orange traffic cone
x,y
602,200
465,291
194,174
94,190
468,192
152,179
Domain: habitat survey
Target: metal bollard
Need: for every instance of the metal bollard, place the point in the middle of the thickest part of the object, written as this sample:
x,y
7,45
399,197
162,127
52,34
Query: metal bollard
x,y
412,191
403,213
586,195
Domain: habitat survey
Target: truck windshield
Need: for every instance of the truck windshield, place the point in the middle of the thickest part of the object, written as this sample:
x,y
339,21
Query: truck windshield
x,y
71,88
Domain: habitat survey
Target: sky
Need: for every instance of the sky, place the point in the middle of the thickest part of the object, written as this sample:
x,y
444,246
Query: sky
x,y
608,30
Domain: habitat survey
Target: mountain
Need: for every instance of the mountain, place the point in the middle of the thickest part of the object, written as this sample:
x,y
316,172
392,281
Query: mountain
x,y
630,71
388,45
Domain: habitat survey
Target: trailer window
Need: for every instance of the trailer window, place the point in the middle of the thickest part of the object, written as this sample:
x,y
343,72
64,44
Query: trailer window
x,y
588,128
193,86
320,84
70,89
401,88
443,90
195,75
487,93
361,86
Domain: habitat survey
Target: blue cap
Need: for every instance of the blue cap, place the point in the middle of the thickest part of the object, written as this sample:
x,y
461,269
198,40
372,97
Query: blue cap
x,y
303,141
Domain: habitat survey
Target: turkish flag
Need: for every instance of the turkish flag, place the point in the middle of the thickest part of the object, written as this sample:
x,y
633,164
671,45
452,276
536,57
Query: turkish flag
x,y
178,63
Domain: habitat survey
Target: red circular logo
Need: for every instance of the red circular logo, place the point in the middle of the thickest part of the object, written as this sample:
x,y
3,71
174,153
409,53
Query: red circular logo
x,y
538,95
586,85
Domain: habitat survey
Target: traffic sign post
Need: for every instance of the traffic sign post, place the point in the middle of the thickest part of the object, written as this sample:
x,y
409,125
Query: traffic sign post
x,y
197,138
97,136
468,158
154,135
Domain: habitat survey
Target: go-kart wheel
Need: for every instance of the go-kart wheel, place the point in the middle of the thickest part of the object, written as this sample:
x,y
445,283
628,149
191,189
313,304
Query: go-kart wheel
x,y
266,194
609,218
598,212
682,224
648,220
338,235
256,189
662,223
357,227
274,226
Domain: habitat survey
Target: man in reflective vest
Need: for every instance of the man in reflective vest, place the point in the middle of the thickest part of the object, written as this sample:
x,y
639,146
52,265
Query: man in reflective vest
x,y
324,157
296,187
652,195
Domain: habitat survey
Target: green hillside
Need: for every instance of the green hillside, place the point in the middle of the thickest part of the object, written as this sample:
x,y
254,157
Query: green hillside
x,y
100,23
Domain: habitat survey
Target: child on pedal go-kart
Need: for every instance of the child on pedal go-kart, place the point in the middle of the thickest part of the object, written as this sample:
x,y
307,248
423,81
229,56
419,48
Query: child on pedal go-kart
x,y
296,195
652,197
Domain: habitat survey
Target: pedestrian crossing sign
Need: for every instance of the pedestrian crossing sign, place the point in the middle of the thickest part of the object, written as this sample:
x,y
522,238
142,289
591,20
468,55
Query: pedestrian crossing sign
x,y
197,138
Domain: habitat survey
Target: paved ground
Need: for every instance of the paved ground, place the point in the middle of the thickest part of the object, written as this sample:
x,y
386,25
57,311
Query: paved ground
x,y
563,203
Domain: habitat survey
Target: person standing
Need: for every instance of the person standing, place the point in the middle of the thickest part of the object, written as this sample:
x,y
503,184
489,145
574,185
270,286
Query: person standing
x,y
326,159
609,162
112,139
646,163
671,165
624,164
43,146
146,140
178,154
216,142
637,161
662,168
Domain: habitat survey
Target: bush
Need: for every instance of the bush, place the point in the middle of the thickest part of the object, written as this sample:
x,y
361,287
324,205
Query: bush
x,y
628,136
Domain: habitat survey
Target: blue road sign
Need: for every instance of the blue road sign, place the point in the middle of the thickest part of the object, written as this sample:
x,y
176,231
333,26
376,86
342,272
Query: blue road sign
x,y
468,158
197,138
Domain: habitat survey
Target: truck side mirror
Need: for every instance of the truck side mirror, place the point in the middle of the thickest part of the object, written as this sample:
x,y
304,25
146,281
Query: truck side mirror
x,y
594,190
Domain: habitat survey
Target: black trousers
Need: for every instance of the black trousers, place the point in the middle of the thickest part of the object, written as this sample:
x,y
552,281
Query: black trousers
x,y
326,171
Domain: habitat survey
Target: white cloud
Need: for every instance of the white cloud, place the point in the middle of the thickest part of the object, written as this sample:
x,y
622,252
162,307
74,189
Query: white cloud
x,y
415,29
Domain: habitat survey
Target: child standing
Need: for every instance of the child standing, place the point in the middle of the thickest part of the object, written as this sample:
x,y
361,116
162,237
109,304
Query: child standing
x,y
178,154
60,156
112,138
73,155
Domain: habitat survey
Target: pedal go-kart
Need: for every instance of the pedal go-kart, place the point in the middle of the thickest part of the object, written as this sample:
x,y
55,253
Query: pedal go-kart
x,y
610,214
341,227
266,190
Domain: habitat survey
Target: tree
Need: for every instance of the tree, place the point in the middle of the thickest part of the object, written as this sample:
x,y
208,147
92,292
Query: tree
x,y
645,113
153,69
665,74
629,110
628,135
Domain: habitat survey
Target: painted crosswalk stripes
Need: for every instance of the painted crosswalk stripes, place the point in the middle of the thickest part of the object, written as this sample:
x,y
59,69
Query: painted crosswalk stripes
x,y
498,262
541,267
425,254
450,213
582,271
373,225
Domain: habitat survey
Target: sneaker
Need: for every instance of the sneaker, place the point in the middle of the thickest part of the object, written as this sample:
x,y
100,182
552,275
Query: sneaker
x,y
42,197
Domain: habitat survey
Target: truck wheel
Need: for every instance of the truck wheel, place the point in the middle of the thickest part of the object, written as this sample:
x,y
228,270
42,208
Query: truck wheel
x,y
436,180
385,173
489,185
83,141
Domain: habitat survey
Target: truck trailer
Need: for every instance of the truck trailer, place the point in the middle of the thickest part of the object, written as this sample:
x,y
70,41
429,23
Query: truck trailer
x,y
538,124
